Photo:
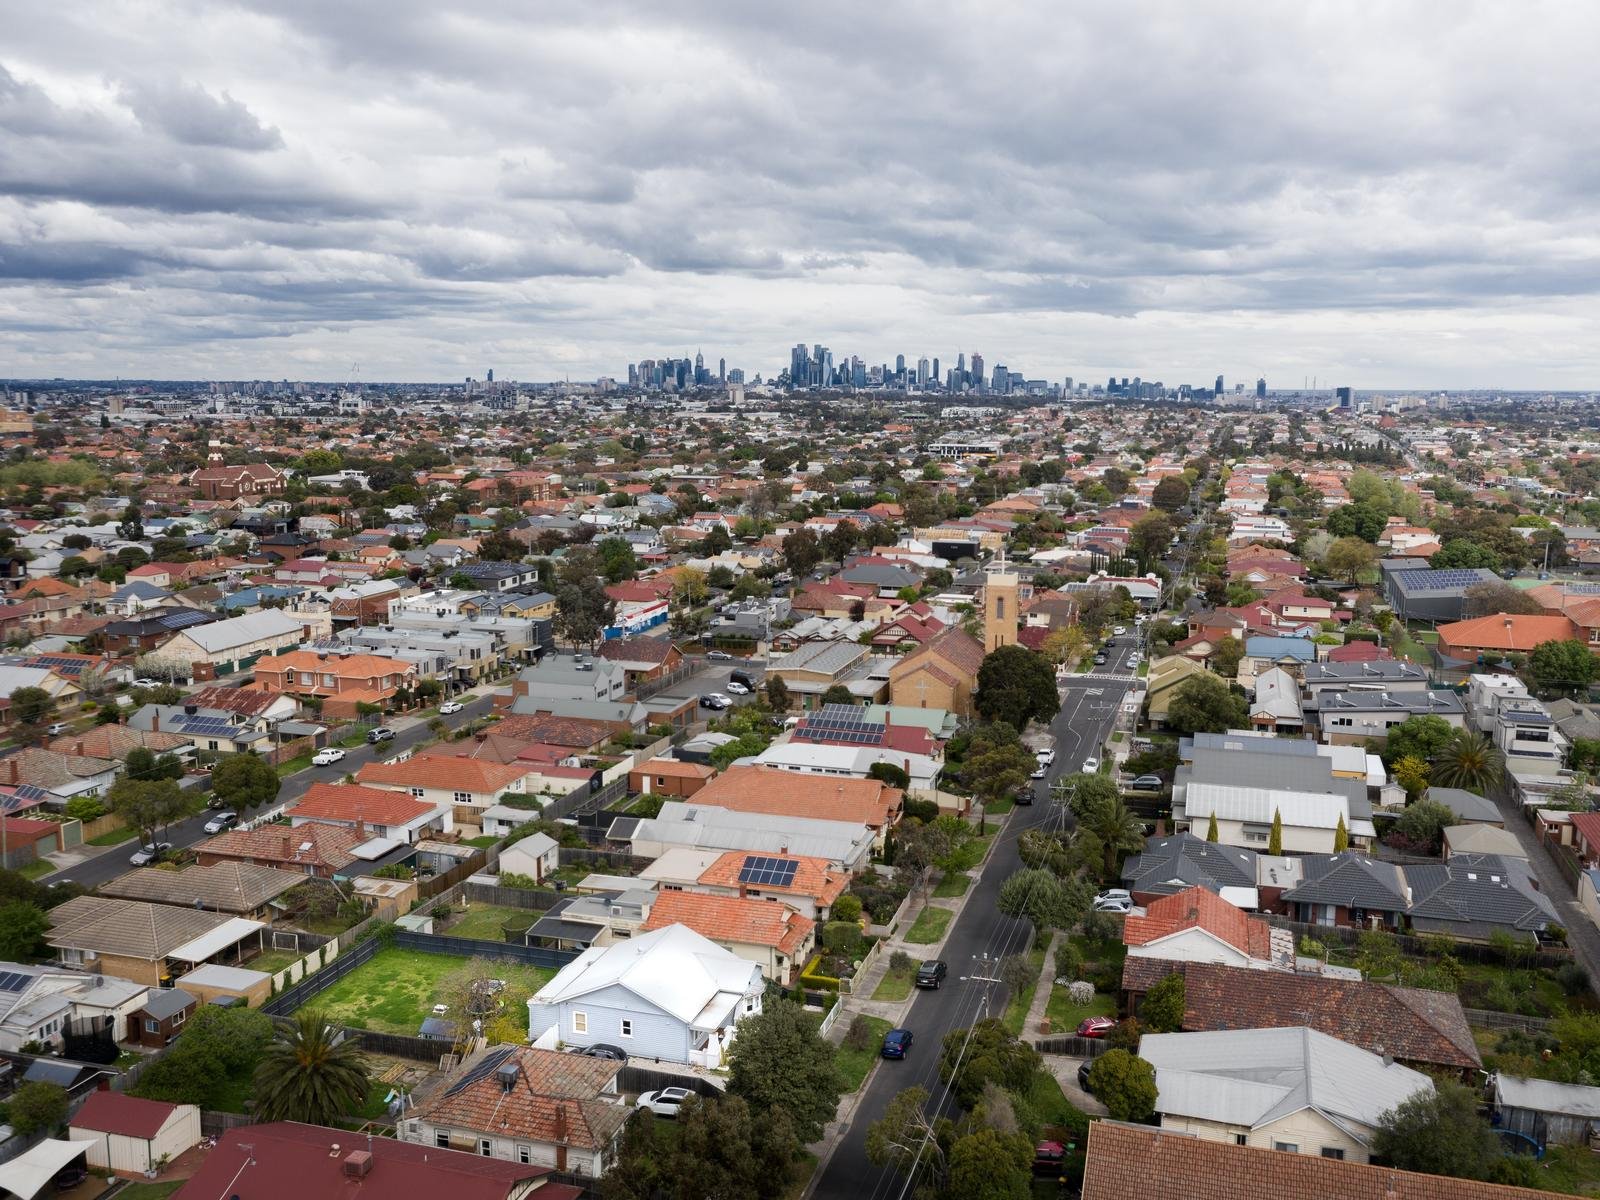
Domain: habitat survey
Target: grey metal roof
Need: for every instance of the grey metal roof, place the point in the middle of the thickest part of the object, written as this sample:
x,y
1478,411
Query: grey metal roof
x,y
1171,864
1363,672
1361,700
1351,880
1467,805
162,1003
1547,1096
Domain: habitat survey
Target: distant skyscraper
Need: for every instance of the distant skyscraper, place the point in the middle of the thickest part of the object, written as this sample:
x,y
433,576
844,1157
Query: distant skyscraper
x,y
722,370
1218,388
977,371
1261,388
1344,396
489,378
935,373
899,364
922,372
799,365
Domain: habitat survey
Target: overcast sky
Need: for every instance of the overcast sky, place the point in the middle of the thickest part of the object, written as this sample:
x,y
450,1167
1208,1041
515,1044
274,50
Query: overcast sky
x,y
1385,195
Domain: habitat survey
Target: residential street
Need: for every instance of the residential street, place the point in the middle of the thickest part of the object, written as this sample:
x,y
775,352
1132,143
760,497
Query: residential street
x,y
976,939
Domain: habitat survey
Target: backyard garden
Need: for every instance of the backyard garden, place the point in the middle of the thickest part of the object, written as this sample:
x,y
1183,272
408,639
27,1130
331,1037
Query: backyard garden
x,y
395,990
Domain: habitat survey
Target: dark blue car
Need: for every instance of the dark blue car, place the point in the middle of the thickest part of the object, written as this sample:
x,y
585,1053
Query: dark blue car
x,y
896,1042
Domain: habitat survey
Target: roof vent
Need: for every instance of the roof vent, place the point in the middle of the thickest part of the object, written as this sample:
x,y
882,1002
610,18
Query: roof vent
x,y
358,1164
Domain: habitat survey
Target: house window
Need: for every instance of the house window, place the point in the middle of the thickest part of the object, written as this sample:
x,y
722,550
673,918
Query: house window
x,y
211,745
486,1147
524,1155
1241,1139
417,792
627,1028
441,1139
463,797
580,1022
1333,1152
152,1026
1290,1147
177,1018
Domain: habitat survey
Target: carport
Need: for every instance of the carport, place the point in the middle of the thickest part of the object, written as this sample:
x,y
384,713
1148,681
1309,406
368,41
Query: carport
x,y
30,1174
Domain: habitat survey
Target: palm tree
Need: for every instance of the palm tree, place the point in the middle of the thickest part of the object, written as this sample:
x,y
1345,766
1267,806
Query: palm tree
x,y
1114,826
305,1075
1469,760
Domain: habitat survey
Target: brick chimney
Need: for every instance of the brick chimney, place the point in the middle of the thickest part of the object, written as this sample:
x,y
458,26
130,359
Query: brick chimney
x,y
155,720
12,768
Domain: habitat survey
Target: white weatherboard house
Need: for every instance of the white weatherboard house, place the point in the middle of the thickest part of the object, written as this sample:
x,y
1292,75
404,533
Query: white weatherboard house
x,y
670,994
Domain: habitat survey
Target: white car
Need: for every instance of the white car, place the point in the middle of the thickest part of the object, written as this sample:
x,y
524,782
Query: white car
x,y
146,683
145,855
1046,756
1115,894
1118,630
1114,904
450,706
735,688
326,758
1039,771
1091,766
664,1102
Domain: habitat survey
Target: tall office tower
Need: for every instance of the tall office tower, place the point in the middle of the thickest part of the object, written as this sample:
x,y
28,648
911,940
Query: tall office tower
x,y
1345,397
722,370
633,375
858,372
976,374
489,378
798,358
934,374
1218,388
1066,388
1261,388
1002,380
961,365
699,367
922,372
736,375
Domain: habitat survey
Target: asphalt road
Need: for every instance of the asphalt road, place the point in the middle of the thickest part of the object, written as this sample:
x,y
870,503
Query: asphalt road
x,y
113,862
979,936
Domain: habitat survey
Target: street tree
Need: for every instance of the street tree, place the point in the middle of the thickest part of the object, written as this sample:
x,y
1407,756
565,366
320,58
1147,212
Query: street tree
x,y
1016,686
780,1061
988,1164
146,805
997,764
1206,704
1171,494
904,1136
244,781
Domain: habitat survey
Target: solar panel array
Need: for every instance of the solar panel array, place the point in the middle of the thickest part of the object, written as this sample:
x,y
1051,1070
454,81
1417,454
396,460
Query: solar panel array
x,y
1444,578
771,872
840,723
60,664
31,791
209,727
181,618
13,981
488,1066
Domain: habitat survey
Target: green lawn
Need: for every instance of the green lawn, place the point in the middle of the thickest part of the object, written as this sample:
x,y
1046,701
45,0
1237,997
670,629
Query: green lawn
x,y
1001,806
37,868
952,885
1065,1015
485,921
396,989
150,1191
1017,1006
896,985
285,769
115,838
1046,1098
274,960
929,926
854,1064
483,842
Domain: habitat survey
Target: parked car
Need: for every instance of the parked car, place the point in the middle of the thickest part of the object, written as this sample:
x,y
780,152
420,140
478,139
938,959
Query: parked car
x,y
381,734
715,701
1039,772
601,1050
1099,660
1096,1027
1045,755
58,728
1084,1068
720,656
664,1102
1116,894
931,973
1114,904
143,682
1049,1158
1091,765
743,677
450,706
1146,783
1024,796
1118,630
895,1043
145,855
737,688
327,757
223,820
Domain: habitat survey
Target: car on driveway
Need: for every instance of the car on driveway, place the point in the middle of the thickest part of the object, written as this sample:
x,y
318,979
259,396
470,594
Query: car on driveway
x,y
664,1102
601,1050
736,688
1096,1027
1146,783
145,855
327,757
450,706
1084,1068
380,734
1114,904
931,973
895,1043
715,701
146,683
223,820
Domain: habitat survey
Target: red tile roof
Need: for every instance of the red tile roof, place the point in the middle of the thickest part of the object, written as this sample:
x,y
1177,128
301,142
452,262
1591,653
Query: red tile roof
x,y
350,802
1136,1162
812,876
458,774
1196,907
114,1112
330,845
557,1098
736,919
795,794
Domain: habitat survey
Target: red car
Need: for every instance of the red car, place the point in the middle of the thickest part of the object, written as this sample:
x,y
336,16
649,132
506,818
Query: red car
x,y
1096,1027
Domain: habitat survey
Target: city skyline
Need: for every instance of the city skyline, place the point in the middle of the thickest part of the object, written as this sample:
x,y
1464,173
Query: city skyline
x,y
406,191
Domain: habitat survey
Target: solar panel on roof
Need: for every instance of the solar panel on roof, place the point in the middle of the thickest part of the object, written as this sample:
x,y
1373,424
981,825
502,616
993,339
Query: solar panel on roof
x,y
490,1064
770,872
209,727
13,981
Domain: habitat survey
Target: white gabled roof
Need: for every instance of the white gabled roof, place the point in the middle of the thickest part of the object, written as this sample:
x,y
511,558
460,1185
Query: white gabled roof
x,y
673,968
1307,810
242,631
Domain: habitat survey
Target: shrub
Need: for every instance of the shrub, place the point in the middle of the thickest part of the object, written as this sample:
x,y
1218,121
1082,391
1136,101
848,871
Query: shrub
x,y
1311,948
513,879
1102,927
1126,1034
847,908
1080,992
1126,1085
1069,961
842,937
900,961
859,1036
1574,980
1164,1005
925,811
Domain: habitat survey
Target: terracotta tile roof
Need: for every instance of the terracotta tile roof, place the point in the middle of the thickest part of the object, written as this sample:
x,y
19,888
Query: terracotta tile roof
x,y
795,794
637,649
350,666
672,768
1197,907
1507,631
576,732
235,887
350,802
732,919
329,845
1137,1162
1418,1027
812,877
117,741
958,648
557,1099
455,774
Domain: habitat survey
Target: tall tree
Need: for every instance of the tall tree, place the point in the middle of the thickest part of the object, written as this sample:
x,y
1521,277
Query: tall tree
x,y
1150,538
780,1061
1116,831
1348,558
244,781
22,929
1563,666
1171,494
146,805
801,552
306,1076
1016,686
1471,761
1437,1131
1206,704
997,765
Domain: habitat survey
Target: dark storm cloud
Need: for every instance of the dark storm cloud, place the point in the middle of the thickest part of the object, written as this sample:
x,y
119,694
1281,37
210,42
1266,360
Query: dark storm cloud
x,y
580,183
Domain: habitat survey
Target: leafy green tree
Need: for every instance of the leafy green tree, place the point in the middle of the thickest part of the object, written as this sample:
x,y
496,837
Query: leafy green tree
x,y
1419,737
966,1064
1212,834
1206,704
996,765
216,1045
1423,823
1412,773
22,929
1115,830
31,705
1226,657
1041,898
142,764
147,805
719,1149
37,1106
1016,686
801,552
1462,554
1085,791
1348,557
1471,761
990,1165
244,781
617,560
1437,1132
1150,538
1492,597
838,694
1363,521
1563,666
1171,494
1164,1005
305,1075
1275,838
778,699
1125,1084
1341,836
779,1061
